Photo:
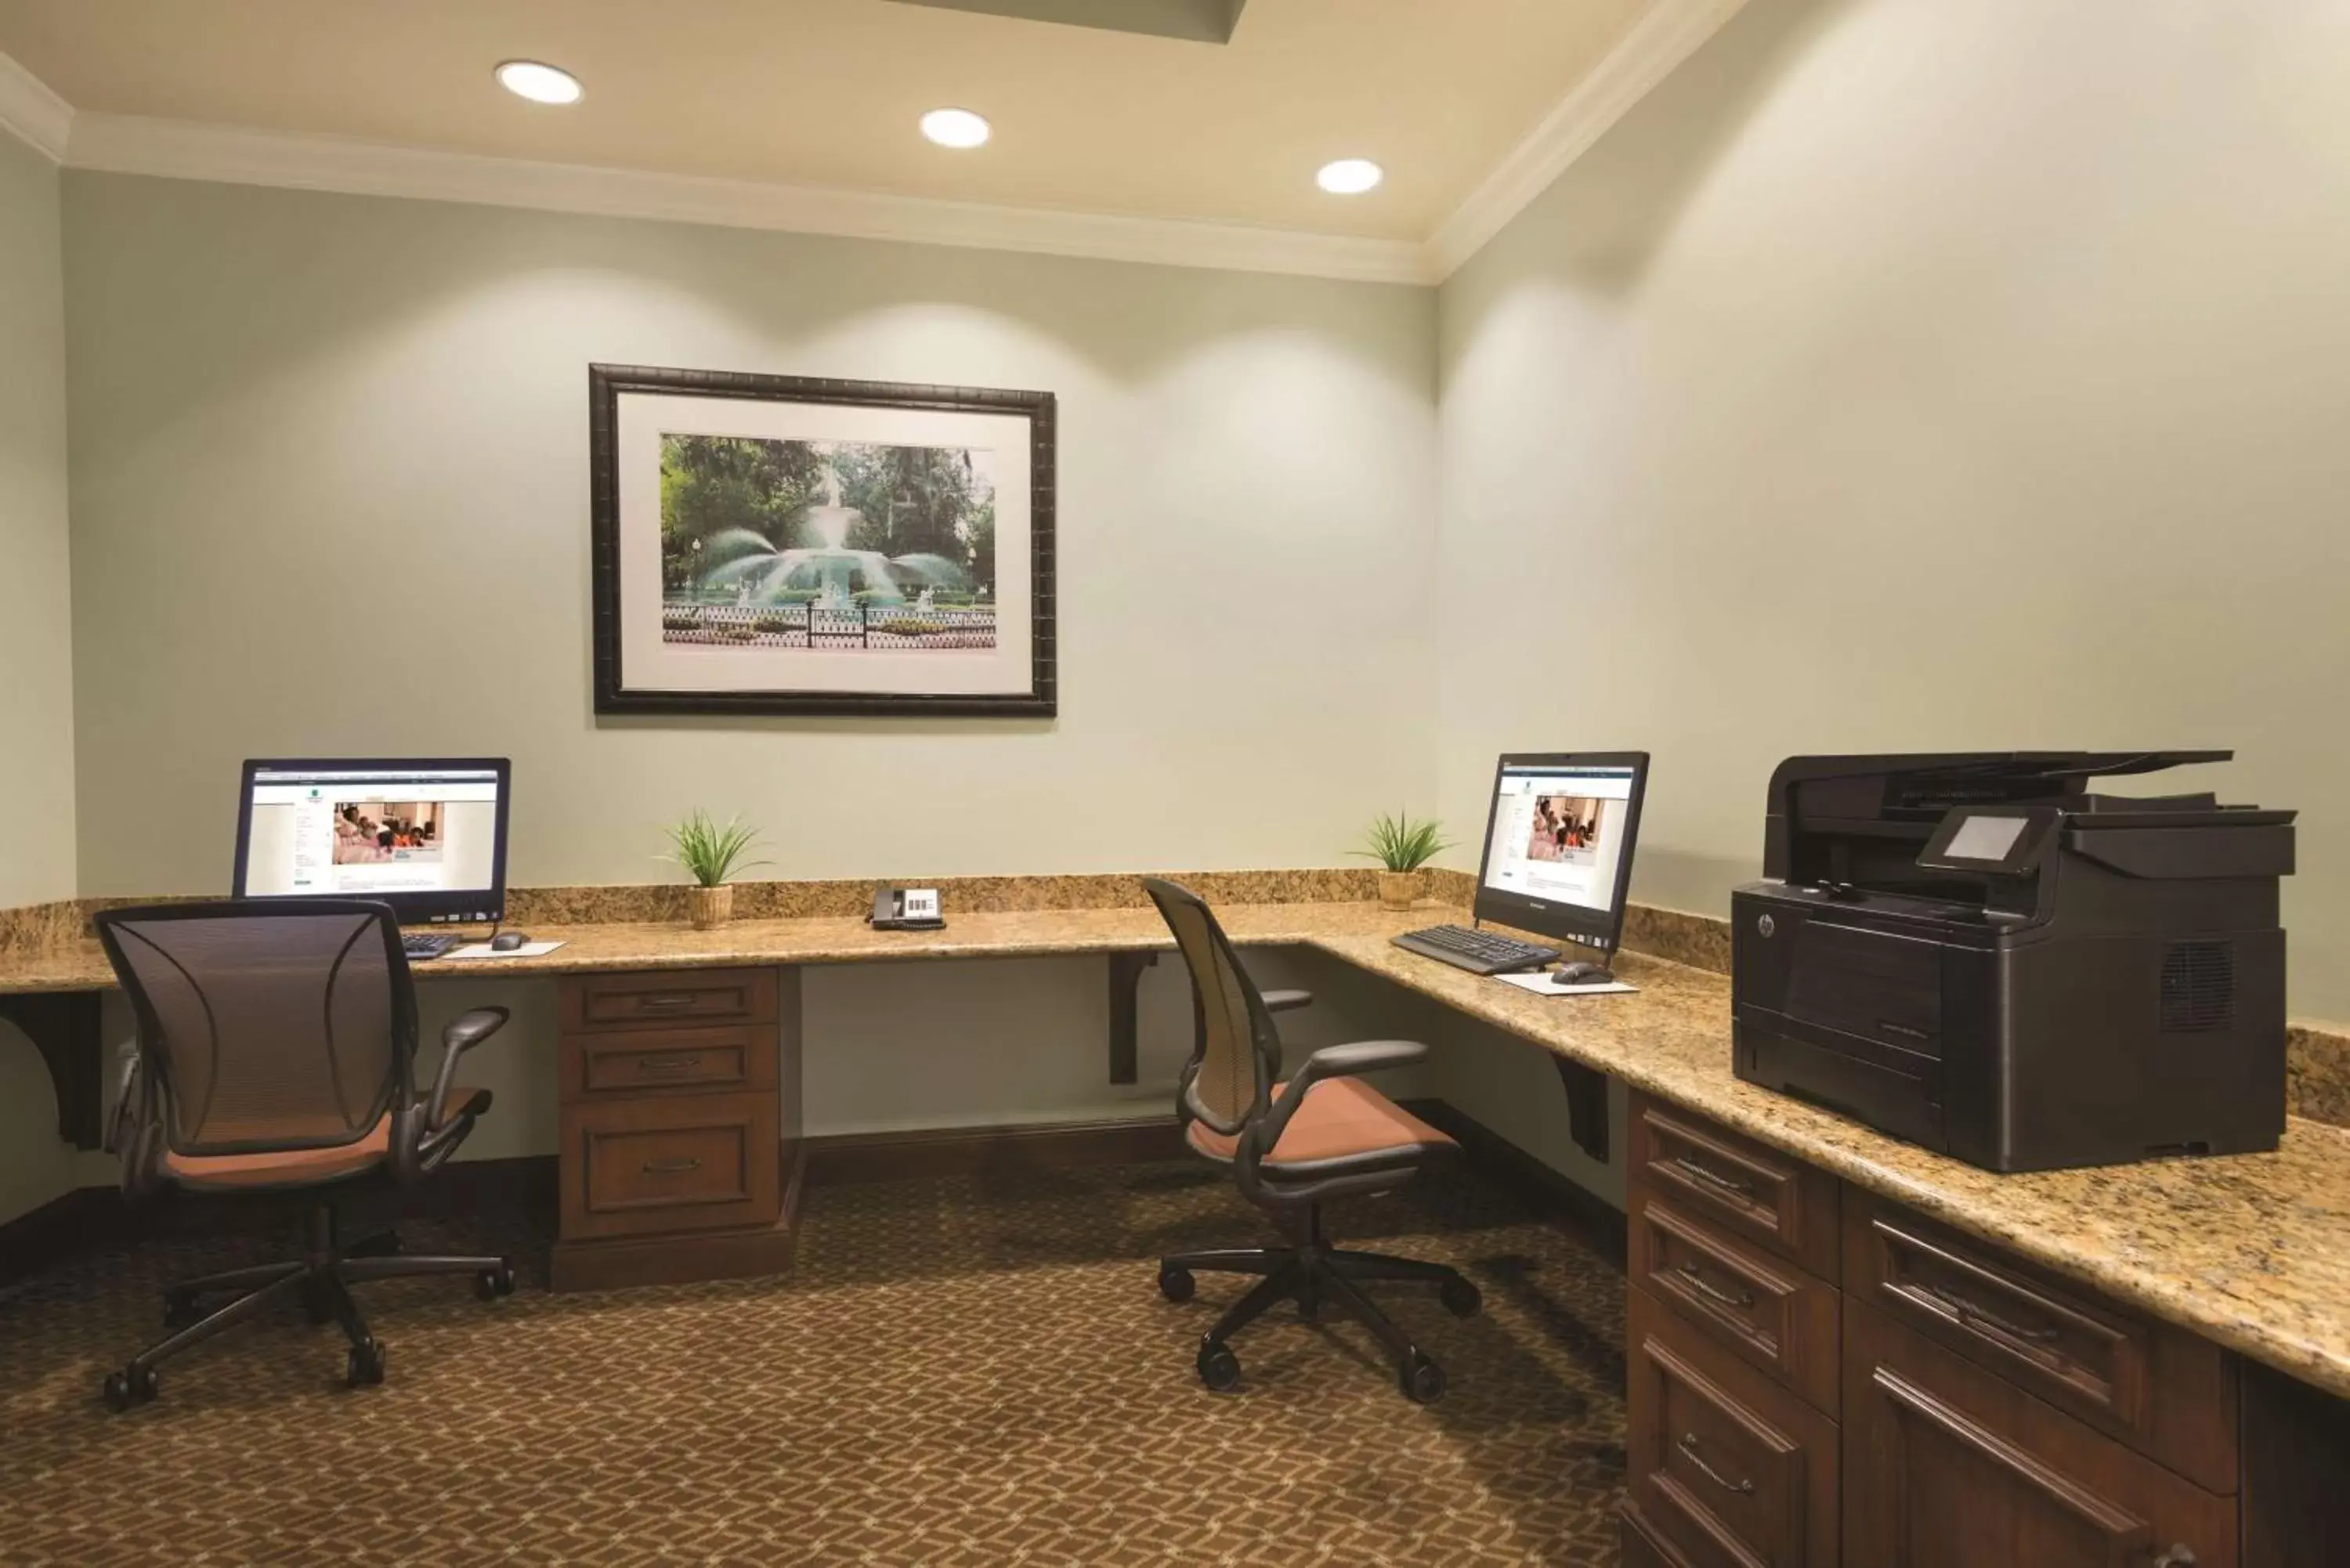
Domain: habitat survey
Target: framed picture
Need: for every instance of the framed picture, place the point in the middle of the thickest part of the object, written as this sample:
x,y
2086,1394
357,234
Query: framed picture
x,y
775,545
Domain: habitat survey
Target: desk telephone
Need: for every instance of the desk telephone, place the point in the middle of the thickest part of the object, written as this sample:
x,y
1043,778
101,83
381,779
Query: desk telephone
x,y
906,909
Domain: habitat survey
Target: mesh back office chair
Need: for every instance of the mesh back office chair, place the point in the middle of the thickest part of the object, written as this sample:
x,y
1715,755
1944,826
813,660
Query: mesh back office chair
x,y
1322,1135
277,1052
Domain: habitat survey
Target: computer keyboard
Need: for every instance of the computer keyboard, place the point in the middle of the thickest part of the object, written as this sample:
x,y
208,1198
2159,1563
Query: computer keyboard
x,y
1479,953
419,945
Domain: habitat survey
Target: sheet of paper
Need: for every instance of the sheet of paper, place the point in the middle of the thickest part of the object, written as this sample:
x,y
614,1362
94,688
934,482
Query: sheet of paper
x,y
1539,983
482,950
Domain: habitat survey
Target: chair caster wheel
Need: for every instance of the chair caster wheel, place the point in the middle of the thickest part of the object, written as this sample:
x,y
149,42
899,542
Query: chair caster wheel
x,y
1423,1381
1309,1309
1219,1369
179,1309
131,1386
1176,1285
1461,1298
365,1366
492,1284
318,1306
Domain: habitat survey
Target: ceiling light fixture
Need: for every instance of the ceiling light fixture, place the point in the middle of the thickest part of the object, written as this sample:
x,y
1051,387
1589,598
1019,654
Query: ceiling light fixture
x,y
955,128
539,83
1349,176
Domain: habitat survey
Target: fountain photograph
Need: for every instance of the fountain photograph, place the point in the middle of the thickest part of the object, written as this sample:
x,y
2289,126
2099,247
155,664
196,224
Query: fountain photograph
x,y
834,544
785,545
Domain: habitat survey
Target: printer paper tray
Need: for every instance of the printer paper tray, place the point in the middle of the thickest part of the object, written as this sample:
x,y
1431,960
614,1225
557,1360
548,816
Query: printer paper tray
x,y
1894,1091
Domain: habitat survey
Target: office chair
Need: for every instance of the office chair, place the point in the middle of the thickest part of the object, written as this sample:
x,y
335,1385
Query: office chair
x,y
276,1052
1290,1147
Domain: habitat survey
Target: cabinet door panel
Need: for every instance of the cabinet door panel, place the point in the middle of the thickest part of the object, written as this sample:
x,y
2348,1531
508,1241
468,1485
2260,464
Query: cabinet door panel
x,y
1947,1466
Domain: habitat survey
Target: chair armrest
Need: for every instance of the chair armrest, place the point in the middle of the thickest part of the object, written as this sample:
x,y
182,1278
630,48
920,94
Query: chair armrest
x,y
1282,1000
462,1036
1330,1062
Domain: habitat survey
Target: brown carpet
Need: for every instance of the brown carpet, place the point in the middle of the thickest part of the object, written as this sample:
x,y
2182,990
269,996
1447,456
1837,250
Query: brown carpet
x,y
958,1372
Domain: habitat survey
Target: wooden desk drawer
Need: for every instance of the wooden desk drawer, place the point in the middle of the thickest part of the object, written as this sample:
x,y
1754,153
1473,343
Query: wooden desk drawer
x,y
2161,1389
1768,1312
650,1061
1727,1469
1946,1466
1770,1199
681,1162
660,997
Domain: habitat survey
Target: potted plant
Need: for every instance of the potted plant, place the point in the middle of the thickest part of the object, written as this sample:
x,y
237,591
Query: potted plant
x,y
1403,848
711,854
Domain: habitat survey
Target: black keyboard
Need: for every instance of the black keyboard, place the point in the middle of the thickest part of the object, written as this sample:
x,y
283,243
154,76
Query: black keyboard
x,y
1479,953
417,945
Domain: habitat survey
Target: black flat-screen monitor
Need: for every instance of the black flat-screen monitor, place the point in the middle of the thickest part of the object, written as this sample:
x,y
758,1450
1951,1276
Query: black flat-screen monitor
x,y
1558,843
426,836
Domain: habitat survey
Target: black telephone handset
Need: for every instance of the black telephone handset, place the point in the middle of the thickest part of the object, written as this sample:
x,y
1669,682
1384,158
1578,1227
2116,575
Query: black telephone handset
x,y
905,910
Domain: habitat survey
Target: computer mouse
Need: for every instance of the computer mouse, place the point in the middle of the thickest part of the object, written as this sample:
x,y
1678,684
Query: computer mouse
x,y
506,942
1581,975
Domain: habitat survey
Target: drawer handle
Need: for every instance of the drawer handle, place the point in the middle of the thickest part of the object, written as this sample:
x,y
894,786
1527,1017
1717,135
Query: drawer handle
x,y
675,1166
668,1063
1743,1300
667,1001
1689,1446
2178,1556
1974,1316
1713,1179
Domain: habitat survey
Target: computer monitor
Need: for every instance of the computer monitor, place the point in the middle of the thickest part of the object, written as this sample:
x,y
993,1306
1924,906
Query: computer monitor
x,y
1558,846
427,837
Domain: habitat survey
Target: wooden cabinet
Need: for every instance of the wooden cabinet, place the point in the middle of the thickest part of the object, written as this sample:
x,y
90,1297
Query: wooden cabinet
x,y
1949,1466
2156,1387
1776,1202
1726,1467
1818,1374
680,1147
1770,1313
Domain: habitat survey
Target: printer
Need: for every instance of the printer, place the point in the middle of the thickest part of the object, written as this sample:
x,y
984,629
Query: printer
x,y
1974,952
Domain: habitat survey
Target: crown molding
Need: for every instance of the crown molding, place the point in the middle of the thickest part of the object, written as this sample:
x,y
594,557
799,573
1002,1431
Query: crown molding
x,y
1660,41
185,150
30,110
182,149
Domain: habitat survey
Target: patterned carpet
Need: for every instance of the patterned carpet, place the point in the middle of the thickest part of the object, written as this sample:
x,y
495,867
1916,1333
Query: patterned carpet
x,y
958,1372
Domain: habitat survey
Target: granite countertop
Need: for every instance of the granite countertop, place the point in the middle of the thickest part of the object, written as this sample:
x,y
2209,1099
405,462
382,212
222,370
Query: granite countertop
x,y
2251,1251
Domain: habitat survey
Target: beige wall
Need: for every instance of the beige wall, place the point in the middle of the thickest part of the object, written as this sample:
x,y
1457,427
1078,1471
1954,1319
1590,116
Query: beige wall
x,y
37,791
268,385
265,383
37,802
1902,376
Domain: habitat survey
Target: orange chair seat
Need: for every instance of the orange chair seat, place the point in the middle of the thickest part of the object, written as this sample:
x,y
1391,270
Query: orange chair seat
x,y
300,1167
1340,1118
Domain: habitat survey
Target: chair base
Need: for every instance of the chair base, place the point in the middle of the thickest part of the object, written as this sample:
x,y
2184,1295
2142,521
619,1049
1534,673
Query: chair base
x,y
1315,1275
320,1279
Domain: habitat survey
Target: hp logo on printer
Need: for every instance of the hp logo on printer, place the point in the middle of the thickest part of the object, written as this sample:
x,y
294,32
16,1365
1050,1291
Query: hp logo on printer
x,y
1766,925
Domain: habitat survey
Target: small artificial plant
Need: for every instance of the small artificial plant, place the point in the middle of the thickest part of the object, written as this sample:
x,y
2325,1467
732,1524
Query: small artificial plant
x,y
1400,843
711,854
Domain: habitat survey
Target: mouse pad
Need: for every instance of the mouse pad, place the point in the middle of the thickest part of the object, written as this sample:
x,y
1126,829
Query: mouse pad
x,y
1539,983
482,950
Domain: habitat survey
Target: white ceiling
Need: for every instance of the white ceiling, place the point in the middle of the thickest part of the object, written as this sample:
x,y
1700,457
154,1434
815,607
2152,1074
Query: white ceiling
x,y
1451,96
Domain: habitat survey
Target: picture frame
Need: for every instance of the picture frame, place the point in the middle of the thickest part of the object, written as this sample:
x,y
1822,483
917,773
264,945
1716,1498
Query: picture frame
x,y
781,545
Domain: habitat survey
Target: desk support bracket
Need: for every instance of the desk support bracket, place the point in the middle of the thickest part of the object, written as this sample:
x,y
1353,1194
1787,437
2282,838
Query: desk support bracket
x,y
1125,1011
63,1028
1586,1107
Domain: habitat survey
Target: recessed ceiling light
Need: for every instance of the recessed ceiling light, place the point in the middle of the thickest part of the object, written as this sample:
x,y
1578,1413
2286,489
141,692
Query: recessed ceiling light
x,y
955,128
540,83
1349,176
